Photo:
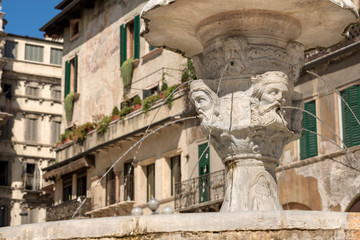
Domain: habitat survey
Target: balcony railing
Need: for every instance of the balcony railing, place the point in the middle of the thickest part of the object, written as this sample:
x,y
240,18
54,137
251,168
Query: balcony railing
x,y
200,192
66,210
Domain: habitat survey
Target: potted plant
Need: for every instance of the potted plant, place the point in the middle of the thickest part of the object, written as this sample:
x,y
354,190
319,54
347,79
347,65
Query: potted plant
x,y
115,114
163,89
137,103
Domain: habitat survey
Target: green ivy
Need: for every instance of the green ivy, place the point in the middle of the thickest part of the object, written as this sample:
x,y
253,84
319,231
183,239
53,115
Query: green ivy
x,y
125,111
127,71
188,72
69,102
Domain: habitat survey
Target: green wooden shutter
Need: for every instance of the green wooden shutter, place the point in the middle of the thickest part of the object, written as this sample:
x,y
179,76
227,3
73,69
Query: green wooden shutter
x,y
137,37
75,73
351,128
308,141
204,169
122,44
67,78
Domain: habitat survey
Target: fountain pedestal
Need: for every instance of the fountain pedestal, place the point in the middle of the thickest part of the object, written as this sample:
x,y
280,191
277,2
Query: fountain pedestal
x,y
247,55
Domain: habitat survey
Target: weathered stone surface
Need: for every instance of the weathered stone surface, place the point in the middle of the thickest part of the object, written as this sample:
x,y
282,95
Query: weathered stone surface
x,y
243,225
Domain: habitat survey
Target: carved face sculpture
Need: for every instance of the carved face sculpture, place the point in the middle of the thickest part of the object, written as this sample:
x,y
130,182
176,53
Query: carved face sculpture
x,y
270,94
206,104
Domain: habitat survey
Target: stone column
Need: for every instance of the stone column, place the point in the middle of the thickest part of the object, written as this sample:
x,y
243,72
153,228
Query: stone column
x,y
242,112
117,186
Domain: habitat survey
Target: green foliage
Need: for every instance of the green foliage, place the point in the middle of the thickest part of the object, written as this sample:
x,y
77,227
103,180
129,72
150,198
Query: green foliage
x,y
137,100
125,111
188,72
168,91
69,102
164,86
103,125
149,101
115,111
80,132
126,72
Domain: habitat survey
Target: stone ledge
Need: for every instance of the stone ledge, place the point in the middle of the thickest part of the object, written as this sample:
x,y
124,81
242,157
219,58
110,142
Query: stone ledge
x,y
276,224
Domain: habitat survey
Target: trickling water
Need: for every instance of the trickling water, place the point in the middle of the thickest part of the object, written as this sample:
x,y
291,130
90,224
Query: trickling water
x,y
137,143
333,132
342,99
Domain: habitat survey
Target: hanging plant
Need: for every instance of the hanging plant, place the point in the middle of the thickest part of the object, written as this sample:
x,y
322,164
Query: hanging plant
x,y
103,125
188,72
127,71
69,102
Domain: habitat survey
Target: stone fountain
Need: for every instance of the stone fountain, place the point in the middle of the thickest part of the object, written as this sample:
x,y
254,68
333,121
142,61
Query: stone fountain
x,y
247,54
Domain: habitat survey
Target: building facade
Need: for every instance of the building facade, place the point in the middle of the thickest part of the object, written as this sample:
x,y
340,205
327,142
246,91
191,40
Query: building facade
x,y
31,94
101,43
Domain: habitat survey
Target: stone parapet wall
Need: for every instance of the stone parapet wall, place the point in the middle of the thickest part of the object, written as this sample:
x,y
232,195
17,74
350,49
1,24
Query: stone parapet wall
x,y
241,225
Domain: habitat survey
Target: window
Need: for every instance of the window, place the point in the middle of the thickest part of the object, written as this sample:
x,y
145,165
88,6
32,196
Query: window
x,y
175,164
308,140
129,180
81,186
32,90
56,93
6,88
67,190
74,28
6,129
4,173
110,188
130,40
31,128
31,177
150,175
71,68
11,49
151,91
4,216
351,128
55,130
34,53
55,56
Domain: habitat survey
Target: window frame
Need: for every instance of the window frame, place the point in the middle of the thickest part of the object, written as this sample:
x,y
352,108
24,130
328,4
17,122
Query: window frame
x,y
13,55
74,33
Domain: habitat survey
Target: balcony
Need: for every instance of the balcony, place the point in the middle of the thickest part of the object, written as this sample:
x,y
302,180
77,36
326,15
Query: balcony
x,y
116,206
66,210
204,193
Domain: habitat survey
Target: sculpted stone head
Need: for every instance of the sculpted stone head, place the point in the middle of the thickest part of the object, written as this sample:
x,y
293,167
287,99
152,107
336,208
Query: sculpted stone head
x,y
271,91
206,104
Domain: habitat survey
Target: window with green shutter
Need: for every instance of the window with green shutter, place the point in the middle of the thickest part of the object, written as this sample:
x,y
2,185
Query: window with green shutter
x,y
137,37
204,170
130,40
308,140
123,48
71,75
351,128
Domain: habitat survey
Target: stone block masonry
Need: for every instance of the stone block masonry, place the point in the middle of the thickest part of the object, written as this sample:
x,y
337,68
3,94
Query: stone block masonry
x,y
242,225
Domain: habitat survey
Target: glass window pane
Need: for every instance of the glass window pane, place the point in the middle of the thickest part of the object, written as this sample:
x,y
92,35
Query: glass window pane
x,y
34,53
55,56
10,49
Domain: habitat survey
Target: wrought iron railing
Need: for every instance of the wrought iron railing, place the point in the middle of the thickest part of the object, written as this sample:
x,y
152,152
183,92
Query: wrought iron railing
x,y
66,210
206,189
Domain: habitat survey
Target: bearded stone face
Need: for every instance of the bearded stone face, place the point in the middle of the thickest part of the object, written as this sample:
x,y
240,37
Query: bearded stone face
x,y
268,101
